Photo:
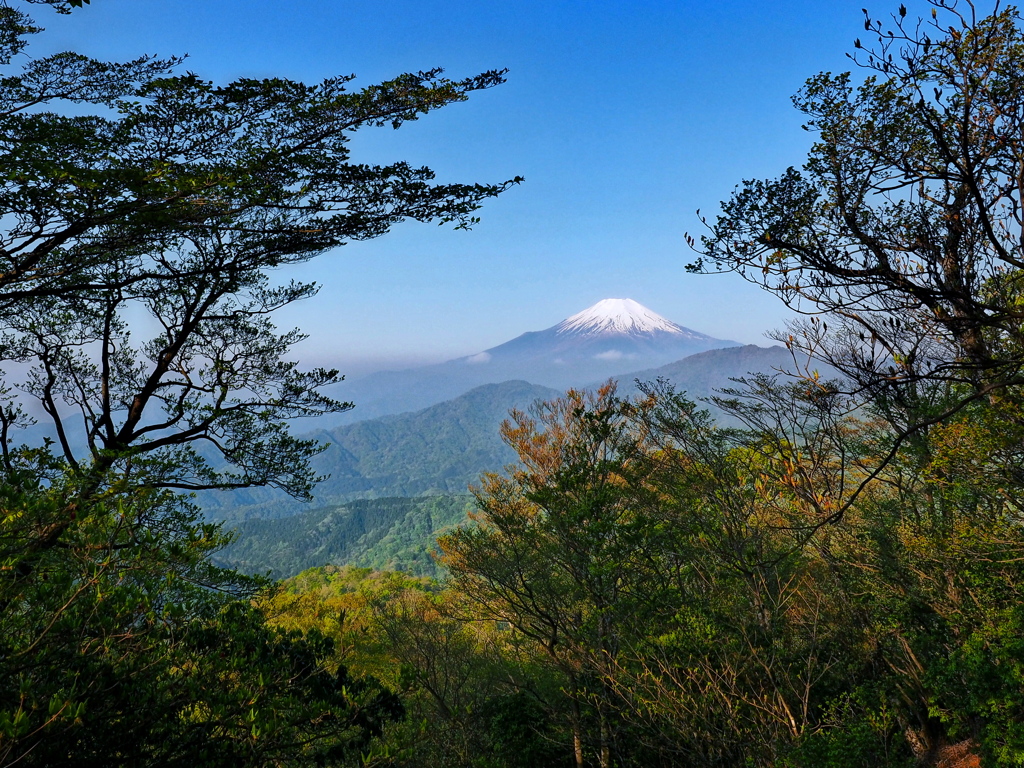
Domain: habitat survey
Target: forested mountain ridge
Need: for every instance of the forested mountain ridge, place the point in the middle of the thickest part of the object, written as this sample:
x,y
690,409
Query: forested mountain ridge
x,y
439,450
444,448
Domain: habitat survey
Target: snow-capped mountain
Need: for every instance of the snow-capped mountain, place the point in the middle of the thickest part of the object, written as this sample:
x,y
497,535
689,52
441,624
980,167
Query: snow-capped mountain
x,y
610,338
620,316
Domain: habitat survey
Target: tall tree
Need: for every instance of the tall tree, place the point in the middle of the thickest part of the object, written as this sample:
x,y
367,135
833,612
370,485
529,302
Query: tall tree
x,y
562,553
903,228
900,241
160,200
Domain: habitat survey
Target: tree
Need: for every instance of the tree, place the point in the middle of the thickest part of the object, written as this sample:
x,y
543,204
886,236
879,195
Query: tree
x,y
903,229
564,554
173,201
900,242
662,568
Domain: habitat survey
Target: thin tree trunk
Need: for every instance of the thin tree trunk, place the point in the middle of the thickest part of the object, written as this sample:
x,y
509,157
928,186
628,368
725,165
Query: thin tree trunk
x,y
606,752
574,709
577,737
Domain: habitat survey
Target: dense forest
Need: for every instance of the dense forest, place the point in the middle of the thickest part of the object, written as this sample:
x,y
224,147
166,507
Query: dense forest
x,y
388,534
837,580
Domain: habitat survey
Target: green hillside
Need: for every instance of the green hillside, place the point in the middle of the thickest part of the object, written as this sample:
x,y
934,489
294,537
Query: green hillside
x,y
439,450
383,534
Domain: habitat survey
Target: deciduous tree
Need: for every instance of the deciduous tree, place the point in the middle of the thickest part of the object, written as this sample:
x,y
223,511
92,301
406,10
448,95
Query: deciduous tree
x,y
138,200
903,228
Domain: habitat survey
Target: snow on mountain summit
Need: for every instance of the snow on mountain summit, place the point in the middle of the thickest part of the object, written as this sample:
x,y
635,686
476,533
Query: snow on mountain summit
x,y
618,316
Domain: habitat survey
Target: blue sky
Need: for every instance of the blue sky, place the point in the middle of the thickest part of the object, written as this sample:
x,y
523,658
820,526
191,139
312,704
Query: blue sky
x,y
623,117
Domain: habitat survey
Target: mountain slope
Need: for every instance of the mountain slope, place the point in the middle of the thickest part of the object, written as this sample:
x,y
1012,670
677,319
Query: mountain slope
x,y
610,338
438,450
384,534
703,373
444,448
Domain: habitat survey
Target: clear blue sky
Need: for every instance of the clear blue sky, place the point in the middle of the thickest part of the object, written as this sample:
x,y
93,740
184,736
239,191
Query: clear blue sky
x,y
624,118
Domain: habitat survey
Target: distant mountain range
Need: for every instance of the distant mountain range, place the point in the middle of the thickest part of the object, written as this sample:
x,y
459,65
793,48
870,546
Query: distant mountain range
x,y
704,374
437,451
610,338
443,448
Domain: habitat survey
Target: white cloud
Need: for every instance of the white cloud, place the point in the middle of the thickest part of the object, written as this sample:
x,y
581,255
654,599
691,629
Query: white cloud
x,y
481,357
611,354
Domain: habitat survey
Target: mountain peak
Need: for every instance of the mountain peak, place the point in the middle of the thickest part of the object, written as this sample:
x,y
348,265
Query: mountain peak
x,y
617,316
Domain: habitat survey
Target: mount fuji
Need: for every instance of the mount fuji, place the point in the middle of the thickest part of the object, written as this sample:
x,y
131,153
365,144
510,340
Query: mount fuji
x,y
609,337
612,337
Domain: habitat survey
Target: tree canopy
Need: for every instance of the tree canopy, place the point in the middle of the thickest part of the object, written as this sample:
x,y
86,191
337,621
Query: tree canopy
x,y
144,212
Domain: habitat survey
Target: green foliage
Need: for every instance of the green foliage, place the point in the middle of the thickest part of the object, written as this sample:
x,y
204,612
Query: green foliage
x,y
900,237
130,194
859,731
519,732
221,689
383,534
901,221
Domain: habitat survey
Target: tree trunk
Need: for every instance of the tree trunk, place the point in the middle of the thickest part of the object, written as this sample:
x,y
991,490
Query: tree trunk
x,y
577,736
606,752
